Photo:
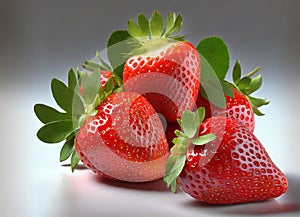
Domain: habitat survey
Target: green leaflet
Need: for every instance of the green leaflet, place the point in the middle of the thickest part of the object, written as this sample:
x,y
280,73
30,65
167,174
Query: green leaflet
x,y
90,86
189,124
66,150
202,140
215,51
74,160
62,95
156,24
119,47
48,114
55,132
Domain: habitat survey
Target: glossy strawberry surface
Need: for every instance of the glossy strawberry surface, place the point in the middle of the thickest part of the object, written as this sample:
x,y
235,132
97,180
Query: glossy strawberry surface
x,y
125,140
234,168
168,77
238,107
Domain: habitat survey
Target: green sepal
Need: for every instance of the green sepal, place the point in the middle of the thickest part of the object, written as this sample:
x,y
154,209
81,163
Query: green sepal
x,y
55,132
72,80
134,30
62,95
248,85
74,160
199,116
67,149
174,167
47,114
236,72
189,124
90,86
156,24
144,24
180,134
202,140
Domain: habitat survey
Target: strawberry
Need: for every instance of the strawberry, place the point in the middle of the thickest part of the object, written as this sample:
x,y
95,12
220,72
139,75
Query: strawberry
x,y
165,69
224,164
116,134
170,132
124,140
239,105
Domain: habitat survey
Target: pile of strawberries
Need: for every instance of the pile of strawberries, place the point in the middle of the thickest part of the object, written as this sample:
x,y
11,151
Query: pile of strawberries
x,y
114,116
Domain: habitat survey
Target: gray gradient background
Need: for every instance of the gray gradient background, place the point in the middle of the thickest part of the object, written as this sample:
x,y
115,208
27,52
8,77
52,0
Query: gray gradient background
x,y
42,39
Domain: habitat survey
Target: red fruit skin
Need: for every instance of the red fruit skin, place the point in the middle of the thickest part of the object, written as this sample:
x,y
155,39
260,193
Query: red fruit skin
x,y
125,140
171,127
169,78
234,168
238,107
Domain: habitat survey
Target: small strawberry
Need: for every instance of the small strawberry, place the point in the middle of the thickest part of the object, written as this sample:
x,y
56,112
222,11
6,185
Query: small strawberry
x,y
165,69
116,134
224,164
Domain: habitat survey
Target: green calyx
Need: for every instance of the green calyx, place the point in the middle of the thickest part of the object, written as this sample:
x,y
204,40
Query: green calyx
x,y
190,124
78,100
248,85
151,33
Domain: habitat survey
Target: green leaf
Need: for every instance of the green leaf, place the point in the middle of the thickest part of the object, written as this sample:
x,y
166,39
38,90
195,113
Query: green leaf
x,y
48,114
202,140
74,160
118,48
254,85
227,88
78,104
170,23
55,132
199,116
211,88
134,30
62,95
72,80
188,123
244,83
177,25
144,24
90,85
156,24
174,167
66,150
110,85
216,53
237,72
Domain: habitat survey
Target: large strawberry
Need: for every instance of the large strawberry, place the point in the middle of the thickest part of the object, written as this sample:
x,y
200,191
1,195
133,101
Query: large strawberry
x,y
165,69
224,164
116,134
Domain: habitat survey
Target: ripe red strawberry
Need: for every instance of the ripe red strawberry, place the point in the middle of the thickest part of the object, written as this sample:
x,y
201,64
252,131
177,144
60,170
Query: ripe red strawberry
x,y
124,140
232,167
116,134
170,132
165,70
240,106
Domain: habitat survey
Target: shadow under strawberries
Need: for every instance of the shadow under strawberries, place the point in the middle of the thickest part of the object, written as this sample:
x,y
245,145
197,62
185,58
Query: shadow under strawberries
x,y
157,185
288,203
